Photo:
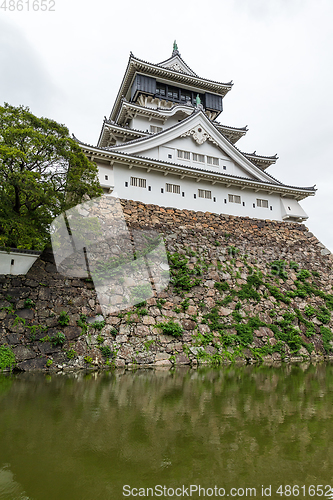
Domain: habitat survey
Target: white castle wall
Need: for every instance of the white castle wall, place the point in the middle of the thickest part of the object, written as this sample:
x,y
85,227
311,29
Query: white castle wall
x,y
157,181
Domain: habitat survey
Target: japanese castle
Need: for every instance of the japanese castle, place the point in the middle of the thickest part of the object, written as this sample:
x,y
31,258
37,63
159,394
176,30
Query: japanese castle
x,y
163,145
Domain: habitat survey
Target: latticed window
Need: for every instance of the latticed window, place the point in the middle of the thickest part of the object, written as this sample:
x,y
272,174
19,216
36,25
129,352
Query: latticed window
x,y
185,155
211,160
173,188
234,198
262,203
199,158
138,182
204,193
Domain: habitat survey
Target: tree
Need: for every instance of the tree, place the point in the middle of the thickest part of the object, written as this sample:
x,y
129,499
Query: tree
x,y
43,172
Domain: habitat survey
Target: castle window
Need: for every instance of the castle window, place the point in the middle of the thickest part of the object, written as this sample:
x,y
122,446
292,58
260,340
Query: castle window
x,y
173,188
155,130
199,158
185,155
224,167
234,198
203,193
169,156
160,89
262,203
138,182
211,160
106,177
173,93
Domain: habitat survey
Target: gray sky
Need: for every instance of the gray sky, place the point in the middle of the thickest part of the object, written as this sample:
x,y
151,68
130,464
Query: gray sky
x,y
68,64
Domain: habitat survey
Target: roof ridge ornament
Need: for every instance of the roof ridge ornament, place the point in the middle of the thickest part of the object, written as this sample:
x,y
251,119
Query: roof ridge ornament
x,y
175,51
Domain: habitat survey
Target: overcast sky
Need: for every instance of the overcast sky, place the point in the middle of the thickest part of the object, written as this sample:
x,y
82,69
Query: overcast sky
x,y
67,64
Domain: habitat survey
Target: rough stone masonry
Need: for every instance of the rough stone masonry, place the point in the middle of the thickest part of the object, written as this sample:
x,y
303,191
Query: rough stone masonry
x,y
242,290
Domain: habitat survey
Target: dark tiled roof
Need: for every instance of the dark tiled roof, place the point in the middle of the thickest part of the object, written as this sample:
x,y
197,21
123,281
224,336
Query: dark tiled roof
x,y
180,73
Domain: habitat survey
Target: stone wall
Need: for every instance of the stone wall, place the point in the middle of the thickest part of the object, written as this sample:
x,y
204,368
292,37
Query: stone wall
x,y
222,313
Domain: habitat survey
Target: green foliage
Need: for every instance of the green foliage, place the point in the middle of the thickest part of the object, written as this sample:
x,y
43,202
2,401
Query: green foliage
x,y
277,294
315,274
140,293
233,251
160,303
185,304
106,351
7,358
82,323
171,328
63,319
303,274
309,311
98,325
237,316
148,344
58,339
278,268
49,363
43,172
323,315
29,304
327,337
71,353
221,287
272,313
88,360
248,292
245,334
293,265
181,276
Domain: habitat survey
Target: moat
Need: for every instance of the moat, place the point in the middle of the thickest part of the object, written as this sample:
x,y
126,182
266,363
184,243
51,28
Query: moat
x,y
87,435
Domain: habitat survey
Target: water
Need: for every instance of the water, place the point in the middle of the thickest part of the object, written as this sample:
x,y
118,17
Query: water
x,y
85,436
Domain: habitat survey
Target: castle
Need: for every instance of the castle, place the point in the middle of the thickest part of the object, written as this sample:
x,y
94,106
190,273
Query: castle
x,y
163,145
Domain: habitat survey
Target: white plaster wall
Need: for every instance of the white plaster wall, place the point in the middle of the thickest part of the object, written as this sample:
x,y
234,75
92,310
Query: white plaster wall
x,y
157,180
206,149
104,170
21,265
142,123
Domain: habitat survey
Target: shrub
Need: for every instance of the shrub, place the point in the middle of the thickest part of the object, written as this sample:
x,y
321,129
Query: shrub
x,y
7,358
221,287
70,354
309,311
303,274
327,337
245,334
171,328
28,303
293,265
58,339
105,350
63,319
323,315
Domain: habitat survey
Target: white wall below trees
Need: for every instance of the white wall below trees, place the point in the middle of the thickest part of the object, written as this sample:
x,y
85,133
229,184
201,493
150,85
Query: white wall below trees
x,y
16,262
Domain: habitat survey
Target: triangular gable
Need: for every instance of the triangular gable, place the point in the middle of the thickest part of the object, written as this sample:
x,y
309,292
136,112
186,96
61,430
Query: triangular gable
x,y
201,130
176,63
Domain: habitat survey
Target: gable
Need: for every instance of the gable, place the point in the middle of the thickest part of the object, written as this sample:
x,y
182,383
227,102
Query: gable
x,y
207,156
200,132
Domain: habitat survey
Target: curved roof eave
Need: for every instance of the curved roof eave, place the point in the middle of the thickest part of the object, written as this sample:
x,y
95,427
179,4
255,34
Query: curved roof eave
x,y
128,157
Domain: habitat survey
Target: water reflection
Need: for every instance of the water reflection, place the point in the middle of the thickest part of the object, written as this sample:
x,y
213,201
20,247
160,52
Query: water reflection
x,y
85,436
